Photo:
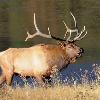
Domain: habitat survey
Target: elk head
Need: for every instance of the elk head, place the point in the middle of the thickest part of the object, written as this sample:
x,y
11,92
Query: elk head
x,y
67,43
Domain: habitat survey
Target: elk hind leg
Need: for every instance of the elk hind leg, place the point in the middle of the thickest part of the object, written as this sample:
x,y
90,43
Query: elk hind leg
x,y
2,78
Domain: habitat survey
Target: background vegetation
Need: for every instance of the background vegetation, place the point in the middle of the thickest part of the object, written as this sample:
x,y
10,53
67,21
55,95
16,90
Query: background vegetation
x,y
16,17
55,93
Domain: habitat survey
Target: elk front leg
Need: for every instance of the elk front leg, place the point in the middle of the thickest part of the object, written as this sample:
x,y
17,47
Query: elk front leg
x,y
9,77
40,80
48,80
8,72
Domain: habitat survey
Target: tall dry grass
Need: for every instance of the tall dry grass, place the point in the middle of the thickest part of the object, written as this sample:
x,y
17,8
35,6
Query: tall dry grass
x,y
52,93
84,91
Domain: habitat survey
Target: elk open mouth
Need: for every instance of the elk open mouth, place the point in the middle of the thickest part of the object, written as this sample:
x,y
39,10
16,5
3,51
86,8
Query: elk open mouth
x,y
79,54
81,50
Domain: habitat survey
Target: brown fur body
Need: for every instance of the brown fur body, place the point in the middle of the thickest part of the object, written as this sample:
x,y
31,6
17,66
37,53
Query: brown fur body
x,y
36,61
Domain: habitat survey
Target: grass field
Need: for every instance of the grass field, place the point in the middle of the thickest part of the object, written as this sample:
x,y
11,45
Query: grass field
x,y
53,93
58,92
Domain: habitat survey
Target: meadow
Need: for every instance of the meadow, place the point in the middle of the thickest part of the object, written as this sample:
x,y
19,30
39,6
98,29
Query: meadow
x,y
83,91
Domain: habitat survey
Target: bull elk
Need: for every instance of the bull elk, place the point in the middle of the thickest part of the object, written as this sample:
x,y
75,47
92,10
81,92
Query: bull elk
x,y
39,61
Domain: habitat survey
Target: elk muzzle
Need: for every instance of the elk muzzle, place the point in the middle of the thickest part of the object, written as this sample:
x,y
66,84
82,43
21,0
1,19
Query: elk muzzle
x,y
80,53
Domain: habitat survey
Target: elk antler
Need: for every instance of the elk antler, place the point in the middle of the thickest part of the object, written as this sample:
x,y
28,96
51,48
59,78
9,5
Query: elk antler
x,y
38,33
70,31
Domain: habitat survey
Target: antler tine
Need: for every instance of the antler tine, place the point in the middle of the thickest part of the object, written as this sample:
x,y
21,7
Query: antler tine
x,y
67,29
36,27
79,34
53,37
49,31
69,37
82,36
74,19
29,36
75,22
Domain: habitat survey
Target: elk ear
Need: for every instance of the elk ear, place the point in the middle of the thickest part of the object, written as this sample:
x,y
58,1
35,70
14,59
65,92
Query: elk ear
x,y
61,44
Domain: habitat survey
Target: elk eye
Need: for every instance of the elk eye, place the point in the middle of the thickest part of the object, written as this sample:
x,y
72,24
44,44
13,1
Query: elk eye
x,y
69,47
